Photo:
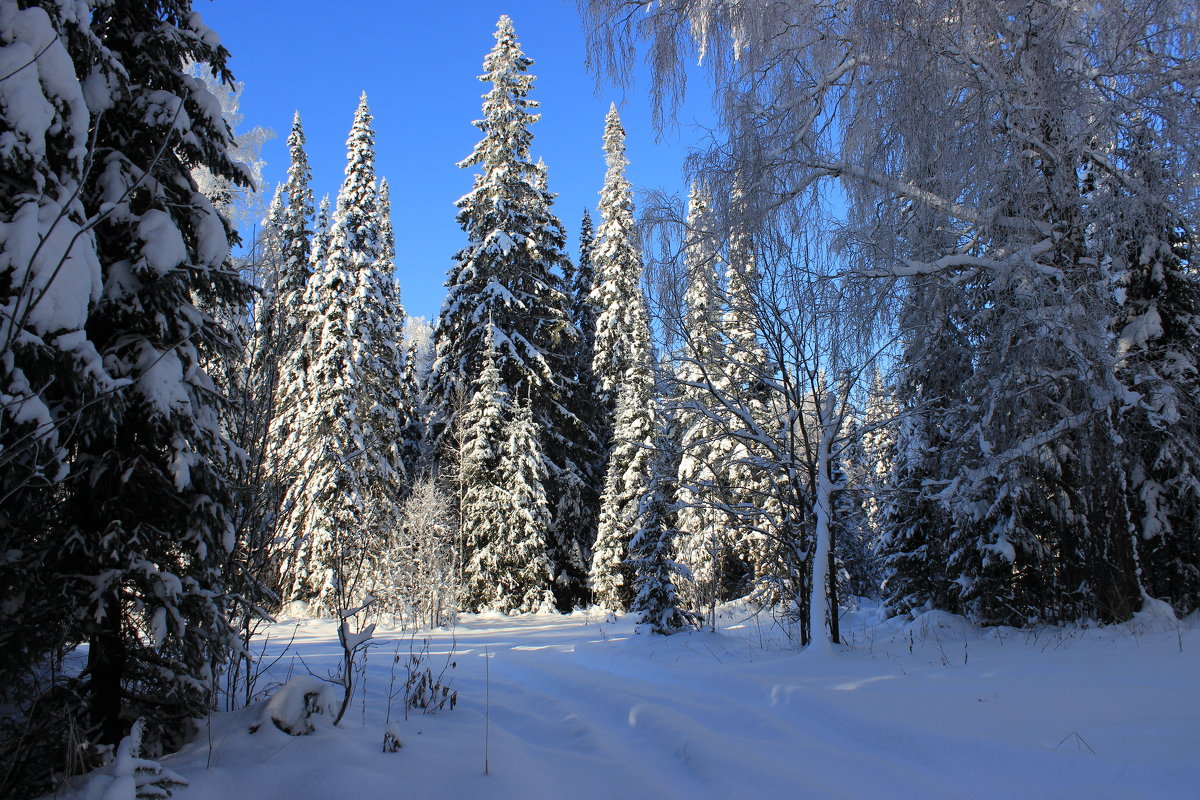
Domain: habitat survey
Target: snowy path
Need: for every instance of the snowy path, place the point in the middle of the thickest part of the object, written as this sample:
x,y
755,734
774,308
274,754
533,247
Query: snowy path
x,y
582,708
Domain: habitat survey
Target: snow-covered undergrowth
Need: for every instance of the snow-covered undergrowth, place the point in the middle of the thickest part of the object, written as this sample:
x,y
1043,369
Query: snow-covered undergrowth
x,y
582,707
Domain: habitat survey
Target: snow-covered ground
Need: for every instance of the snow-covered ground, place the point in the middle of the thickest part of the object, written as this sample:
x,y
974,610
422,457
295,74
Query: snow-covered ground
x,y
582,707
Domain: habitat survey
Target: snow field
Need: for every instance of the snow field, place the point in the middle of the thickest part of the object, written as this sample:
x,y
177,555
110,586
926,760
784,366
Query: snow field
x,y
583,707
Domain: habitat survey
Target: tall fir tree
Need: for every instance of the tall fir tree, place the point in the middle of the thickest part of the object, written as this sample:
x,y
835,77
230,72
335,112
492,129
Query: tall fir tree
x,y
285,293
411,430
656,573
50,276
286,438
618,350
702,523
146,519
1158,331
867,463
345,431
934,365
583,278
626,483
521,546
622,363
589,447
481,496
744,377
508,281
280,322
391,415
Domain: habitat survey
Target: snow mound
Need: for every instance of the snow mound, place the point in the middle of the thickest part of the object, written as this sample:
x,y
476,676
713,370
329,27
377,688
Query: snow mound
x,y
1155,616
298,609
295,706
939,624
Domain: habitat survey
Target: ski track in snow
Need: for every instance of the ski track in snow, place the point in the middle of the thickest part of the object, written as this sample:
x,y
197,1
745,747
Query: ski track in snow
x,y
585,708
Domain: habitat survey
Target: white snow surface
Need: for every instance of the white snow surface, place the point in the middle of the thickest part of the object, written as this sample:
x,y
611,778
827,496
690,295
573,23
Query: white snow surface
x,y
581,706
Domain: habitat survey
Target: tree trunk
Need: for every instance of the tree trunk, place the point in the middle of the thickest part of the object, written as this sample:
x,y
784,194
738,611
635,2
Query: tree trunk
x,y
106,665
819,607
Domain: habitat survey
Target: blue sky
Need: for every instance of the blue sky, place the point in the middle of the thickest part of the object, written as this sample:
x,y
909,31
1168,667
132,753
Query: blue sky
x,y
419,63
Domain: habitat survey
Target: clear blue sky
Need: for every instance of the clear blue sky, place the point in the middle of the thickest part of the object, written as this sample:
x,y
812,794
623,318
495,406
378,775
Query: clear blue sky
x,y
419,63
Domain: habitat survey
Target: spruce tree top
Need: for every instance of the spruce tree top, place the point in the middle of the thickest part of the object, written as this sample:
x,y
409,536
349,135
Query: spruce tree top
x,y
617,191
387,237
584,274
295,231
506,115
582,278
319,249
700,328
621,343
356,202
509,271
701,252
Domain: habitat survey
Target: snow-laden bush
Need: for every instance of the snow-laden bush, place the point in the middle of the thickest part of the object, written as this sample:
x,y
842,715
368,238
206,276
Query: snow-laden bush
x,y
132,777
412,571
295,708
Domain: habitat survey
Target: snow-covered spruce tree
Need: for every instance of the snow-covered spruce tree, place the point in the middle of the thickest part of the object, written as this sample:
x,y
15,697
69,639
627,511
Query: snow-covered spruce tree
x,y
508,279
514,245
146,518
286,438
50,369
345,431
49,278
867,461
283,294
701,544
625,484
379,323
279,325
580,280
408,415
743,376
591,446
917,528
652,549
622,363
481,497
280,321
583,278
1159,330
616,295
518,549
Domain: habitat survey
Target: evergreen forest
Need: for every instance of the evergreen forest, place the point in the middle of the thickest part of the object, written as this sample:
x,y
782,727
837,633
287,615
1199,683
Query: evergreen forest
x,y
923,329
